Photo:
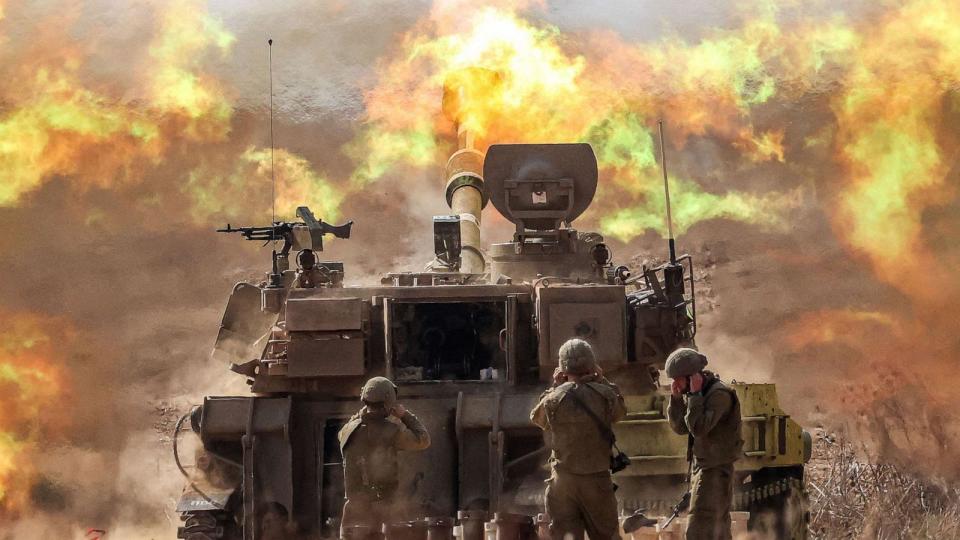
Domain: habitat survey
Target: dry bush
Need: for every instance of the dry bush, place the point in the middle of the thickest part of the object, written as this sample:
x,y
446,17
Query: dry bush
x,y
850,496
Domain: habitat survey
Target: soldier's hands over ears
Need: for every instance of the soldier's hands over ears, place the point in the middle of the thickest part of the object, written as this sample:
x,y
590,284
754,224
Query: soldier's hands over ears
x,y
559,377
696,383
399,410
679,386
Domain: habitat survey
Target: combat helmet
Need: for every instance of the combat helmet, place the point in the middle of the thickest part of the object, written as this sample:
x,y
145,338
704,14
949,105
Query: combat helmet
x,y
684,362
379,390
576,356
306,259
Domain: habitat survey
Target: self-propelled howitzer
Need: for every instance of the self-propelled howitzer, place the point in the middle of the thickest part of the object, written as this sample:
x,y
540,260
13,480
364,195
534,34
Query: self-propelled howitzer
x,y
471,345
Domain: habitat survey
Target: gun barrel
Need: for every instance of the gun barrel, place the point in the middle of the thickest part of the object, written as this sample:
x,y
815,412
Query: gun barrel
x,y
278,229
464,170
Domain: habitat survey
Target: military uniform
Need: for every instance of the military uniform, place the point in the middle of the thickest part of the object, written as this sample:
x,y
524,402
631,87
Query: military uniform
x,y
369,442
580,492
311,276
711,418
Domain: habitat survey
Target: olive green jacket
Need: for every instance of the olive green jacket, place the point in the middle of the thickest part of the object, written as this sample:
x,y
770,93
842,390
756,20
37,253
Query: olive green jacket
x,y
578,445
712,419
369,442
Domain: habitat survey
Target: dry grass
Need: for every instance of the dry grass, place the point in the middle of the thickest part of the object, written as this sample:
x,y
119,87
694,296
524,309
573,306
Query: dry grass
x,y
851,497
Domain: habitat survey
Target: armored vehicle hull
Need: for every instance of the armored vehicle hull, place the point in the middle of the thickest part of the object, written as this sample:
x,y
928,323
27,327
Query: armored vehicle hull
x,y
471,361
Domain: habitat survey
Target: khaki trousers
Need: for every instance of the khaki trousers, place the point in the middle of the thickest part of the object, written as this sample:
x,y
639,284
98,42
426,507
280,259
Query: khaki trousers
x,y
582,502
711,494
367,512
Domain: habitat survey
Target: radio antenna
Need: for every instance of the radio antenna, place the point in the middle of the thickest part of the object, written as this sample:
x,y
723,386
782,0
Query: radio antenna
x,y
273,178
666,191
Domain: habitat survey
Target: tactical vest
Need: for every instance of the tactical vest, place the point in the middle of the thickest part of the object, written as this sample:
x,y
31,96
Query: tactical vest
x,y
369,456
724,444
577,444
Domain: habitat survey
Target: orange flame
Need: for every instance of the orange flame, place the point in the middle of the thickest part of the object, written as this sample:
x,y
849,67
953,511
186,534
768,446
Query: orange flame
x,y
216,194
893,139
600,89
56,122
836,326
31,384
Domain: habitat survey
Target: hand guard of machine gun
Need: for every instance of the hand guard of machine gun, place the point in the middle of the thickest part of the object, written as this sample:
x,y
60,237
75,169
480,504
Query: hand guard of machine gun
x,y
306,234
677,509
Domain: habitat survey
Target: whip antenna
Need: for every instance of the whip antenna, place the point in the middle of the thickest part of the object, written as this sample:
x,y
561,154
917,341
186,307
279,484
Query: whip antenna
x,y
273,178
666,191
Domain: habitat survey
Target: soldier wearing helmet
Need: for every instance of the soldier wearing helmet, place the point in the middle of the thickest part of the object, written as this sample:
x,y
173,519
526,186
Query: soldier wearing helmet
x,y
576,414
708,412
369,442
309,275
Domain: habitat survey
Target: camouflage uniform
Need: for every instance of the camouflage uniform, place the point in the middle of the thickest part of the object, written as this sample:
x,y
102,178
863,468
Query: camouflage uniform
x,y
580,492
712,418
369,443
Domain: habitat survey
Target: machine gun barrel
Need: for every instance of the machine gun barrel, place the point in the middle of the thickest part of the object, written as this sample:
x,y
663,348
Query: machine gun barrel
x,y
275,232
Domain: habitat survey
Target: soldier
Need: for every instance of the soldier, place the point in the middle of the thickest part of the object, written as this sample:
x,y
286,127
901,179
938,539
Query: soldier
x,y
579,493
708,412
309,275
369,442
